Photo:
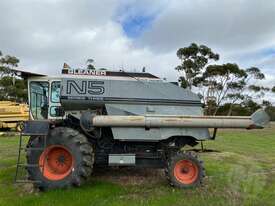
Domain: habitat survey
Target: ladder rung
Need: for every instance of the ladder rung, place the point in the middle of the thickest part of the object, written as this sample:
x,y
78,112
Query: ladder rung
x,y
31,149
32,134
20,165
27,181
28,165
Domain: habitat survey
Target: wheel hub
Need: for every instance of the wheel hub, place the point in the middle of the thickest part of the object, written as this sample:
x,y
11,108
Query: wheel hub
x,y
61,159
56,162
186,172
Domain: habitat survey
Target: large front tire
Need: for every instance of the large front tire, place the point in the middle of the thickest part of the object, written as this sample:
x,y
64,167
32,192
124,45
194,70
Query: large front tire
x,y
66,161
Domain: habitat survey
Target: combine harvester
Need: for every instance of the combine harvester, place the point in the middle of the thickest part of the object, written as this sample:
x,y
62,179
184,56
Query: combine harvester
x,y
12,115
86,118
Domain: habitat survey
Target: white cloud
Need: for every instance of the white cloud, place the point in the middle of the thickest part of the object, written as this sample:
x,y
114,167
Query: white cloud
x,y
44,34
231,26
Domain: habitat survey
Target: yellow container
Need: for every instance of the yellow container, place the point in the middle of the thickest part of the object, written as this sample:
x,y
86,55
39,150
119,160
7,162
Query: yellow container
x,y
12,114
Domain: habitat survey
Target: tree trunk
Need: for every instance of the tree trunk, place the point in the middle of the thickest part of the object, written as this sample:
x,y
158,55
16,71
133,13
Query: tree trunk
x,y
216,110
230,110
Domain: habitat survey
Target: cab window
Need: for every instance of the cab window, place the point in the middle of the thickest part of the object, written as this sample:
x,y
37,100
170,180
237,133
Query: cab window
x,y
39,95
55,92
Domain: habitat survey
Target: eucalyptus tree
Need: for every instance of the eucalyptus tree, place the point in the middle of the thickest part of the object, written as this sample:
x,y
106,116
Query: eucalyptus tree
x,y
194,59
217,84
11,86
90,64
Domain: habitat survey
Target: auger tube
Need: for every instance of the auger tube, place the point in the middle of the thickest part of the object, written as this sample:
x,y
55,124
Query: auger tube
x,y
256,121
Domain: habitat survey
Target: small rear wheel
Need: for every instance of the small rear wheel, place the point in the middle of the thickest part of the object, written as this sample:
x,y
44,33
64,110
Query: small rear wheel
x,y
184,170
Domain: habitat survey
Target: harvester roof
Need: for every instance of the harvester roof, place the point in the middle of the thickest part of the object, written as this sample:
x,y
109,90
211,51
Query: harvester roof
x,y
92,74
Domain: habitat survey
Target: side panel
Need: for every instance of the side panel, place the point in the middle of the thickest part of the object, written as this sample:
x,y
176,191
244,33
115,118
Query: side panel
x,y
155,134
81,94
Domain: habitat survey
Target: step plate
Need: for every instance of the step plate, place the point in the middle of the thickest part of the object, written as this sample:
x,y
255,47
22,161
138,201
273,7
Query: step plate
x,y
122,159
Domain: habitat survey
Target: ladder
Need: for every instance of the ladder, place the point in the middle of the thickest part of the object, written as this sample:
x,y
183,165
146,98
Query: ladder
x,y
31,129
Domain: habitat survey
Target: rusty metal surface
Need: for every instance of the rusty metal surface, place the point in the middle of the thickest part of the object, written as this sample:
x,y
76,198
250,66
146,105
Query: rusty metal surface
x,y
154,121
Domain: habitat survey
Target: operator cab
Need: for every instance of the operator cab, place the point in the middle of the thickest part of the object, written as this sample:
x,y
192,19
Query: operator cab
x,y
44,98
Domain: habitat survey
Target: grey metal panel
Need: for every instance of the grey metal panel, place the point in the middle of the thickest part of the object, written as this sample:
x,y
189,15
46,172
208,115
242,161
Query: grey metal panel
x,y
127,109
117,91
151,89
197,133
38,127
155,134
136,134
122,159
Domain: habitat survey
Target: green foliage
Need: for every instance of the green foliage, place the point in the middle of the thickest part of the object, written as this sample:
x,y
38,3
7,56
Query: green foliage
x,y
273,89
183,82
6,63
193,59
247,108
256,88
90,65
225,70
221,82
266,103
255,73
218,84
271,112
11,87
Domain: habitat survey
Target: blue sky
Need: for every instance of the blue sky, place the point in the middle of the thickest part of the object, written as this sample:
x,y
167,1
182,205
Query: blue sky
x,y
134,26
136,17
268,51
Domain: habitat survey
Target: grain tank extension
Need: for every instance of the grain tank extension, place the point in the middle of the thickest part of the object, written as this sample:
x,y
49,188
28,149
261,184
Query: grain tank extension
x,y
86,118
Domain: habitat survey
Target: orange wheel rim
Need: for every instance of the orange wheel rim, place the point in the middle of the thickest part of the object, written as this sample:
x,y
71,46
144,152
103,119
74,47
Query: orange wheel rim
x,y
56,162
186,172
